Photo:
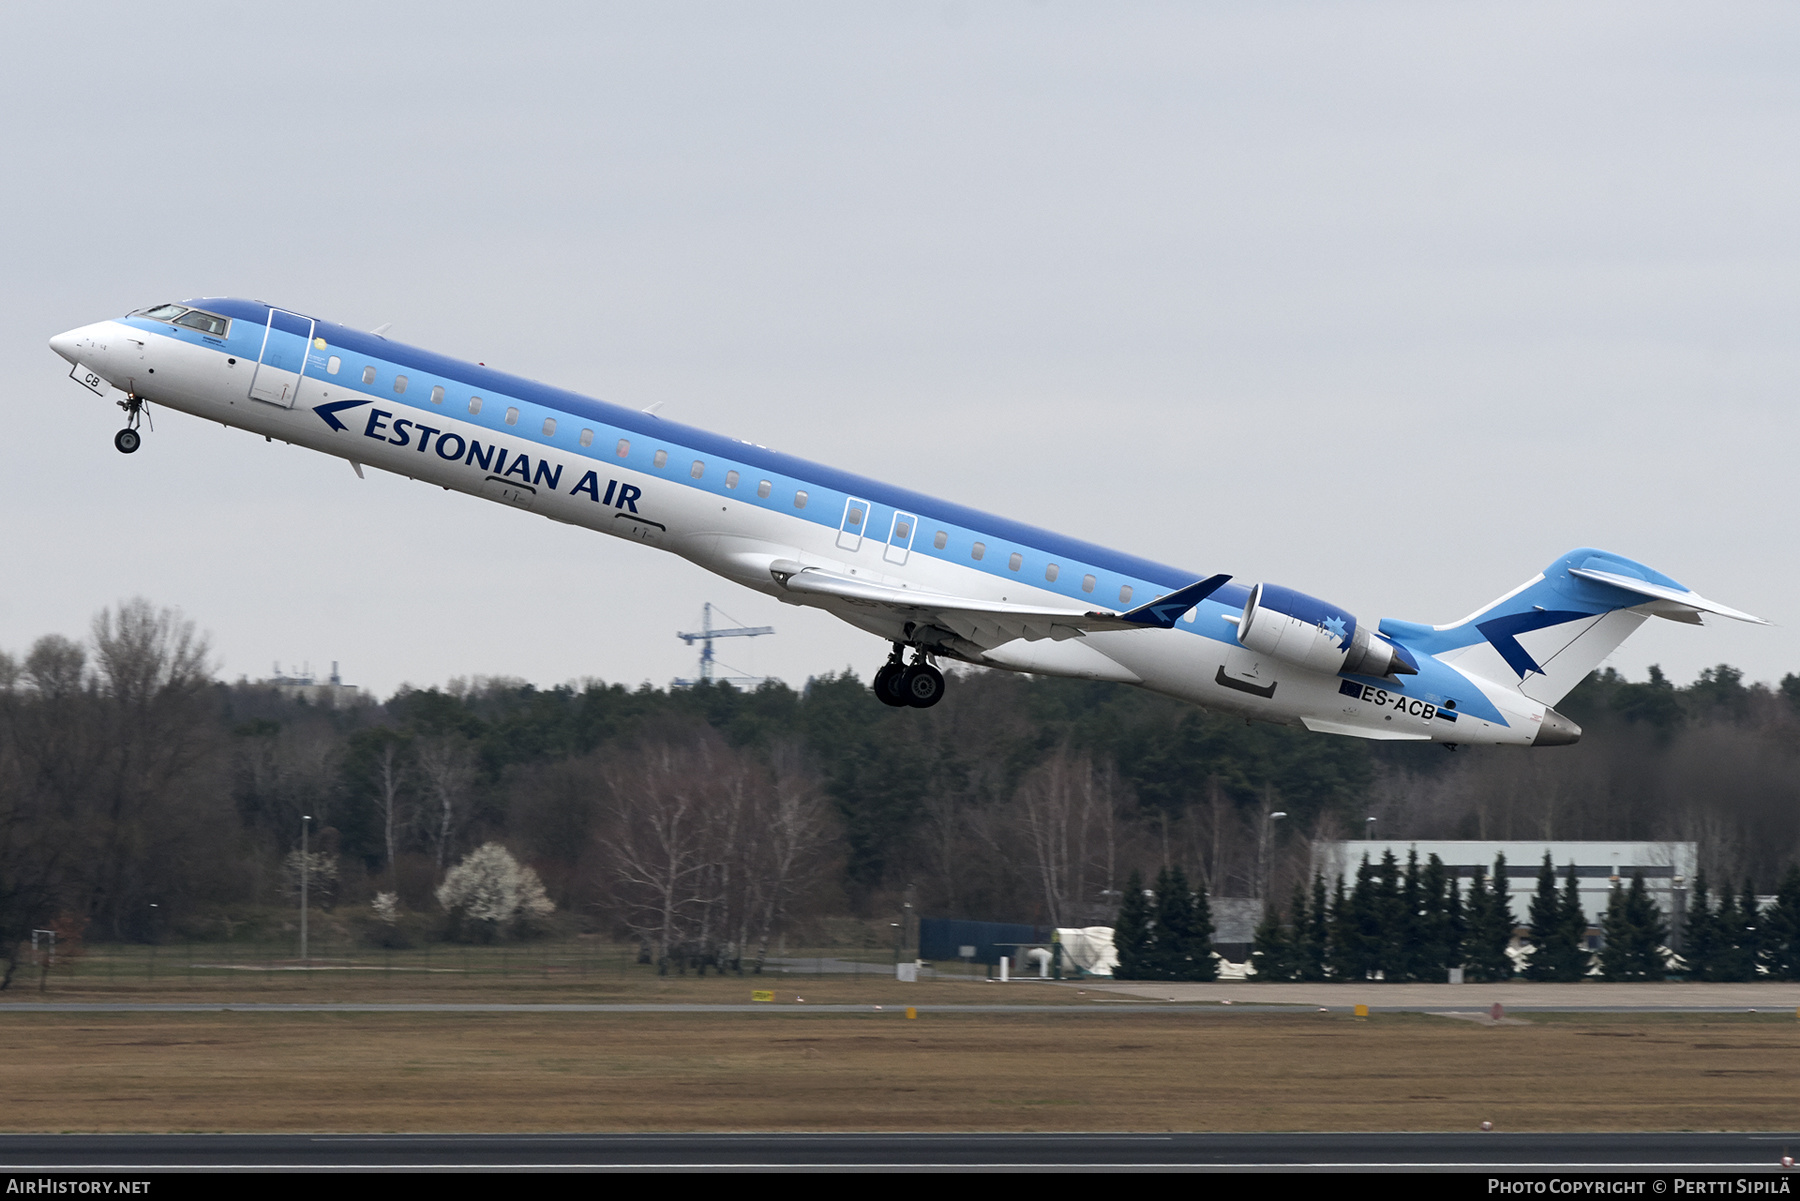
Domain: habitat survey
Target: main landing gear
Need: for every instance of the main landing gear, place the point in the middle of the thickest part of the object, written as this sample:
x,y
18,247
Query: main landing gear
x,y
128,439
919,684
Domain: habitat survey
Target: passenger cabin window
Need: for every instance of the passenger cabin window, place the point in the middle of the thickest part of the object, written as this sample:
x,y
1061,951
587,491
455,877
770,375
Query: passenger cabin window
x,y
474,404
369,375
512,416
399,383
1087,583
902,531
206,323
731,479
698,469
978,550
660,458
941,539
437,394
856,516
624,447
332,364
549,426
1050,572
1125,595
1014,561
799,500
763,489
587,437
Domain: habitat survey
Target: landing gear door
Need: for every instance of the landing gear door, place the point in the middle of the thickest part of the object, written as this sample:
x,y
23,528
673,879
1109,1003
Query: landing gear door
x,y
286,341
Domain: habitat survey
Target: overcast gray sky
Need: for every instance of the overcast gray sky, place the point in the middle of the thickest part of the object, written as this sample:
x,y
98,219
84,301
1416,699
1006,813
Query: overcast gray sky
x,y
1392,303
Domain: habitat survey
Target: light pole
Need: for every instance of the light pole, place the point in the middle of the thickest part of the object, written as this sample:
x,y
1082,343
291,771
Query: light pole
x,y
305,872
1262,857
1369,828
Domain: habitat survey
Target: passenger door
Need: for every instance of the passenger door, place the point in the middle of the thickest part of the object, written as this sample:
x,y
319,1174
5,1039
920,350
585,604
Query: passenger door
x,y
856,520
286,340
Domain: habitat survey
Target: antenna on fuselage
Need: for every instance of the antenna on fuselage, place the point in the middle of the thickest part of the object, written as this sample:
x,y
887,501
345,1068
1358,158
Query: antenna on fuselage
x,y
705,635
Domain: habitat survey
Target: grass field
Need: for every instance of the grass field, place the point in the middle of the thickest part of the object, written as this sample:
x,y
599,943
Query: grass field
x,y
533,972
858,1072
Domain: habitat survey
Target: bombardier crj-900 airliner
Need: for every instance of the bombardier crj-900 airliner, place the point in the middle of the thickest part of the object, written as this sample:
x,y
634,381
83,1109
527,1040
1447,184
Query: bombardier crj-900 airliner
x,y
933,579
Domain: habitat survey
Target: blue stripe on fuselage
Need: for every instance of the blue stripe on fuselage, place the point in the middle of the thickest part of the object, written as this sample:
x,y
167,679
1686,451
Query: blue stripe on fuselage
x,y
828,487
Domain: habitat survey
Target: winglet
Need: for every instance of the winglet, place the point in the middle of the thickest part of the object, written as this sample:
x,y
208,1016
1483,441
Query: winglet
x,y
1163,612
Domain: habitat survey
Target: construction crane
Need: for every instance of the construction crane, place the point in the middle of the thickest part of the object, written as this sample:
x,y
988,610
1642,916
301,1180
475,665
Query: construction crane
x,y
705,637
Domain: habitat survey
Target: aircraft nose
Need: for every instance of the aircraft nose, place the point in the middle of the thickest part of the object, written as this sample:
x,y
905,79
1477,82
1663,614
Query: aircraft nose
x,y
65,343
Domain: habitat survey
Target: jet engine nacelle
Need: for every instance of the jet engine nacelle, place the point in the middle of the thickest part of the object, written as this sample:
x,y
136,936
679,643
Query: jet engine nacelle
x,y
1310,633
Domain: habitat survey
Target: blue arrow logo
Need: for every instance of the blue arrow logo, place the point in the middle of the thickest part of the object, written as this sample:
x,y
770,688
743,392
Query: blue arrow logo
x,y
329,412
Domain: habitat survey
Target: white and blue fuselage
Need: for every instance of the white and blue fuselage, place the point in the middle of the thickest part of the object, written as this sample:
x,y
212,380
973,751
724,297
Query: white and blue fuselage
x,y
916,571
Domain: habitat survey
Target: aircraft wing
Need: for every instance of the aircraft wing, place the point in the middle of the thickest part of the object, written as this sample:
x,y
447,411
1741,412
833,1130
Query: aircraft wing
x,y
986,622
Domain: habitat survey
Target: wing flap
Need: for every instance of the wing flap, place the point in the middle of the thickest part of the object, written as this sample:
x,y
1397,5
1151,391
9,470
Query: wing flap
x,y
988,622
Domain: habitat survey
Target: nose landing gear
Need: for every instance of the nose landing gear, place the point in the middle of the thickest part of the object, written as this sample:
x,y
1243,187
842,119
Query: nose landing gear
x,y
128,439
919,685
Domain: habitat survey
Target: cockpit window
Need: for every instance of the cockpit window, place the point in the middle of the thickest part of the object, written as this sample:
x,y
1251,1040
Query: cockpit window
x,y
163,312
204,322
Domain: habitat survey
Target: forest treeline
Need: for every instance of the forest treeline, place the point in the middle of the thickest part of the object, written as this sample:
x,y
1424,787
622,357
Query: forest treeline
x,y
1420,923
141,795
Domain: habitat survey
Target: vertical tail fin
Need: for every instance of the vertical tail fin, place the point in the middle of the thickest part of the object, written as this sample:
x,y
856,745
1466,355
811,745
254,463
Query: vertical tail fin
x,y
1546,635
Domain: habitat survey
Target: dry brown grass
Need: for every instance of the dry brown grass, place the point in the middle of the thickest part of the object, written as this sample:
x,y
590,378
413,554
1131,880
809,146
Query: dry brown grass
x,y
843,1072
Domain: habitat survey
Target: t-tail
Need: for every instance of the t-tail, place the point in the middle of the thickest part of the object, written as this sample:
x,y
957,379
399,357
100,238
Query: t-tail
x,y
1546,635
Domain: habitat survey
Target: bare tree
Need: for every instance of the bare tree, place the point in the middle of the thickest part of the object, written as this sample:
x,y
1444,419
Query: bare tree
x,y
659,838
1068,813
447,764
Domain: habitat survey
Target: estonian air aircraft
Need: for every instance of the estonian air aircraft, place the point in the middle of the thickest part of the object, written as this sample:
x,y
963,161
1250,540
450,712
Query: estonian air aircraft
x,y
933,579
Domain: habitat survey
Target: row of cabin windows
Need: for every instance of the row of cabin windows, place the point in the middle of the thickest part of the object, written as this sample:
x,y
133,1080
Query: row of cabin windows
x,y
661,459
335,364
698,470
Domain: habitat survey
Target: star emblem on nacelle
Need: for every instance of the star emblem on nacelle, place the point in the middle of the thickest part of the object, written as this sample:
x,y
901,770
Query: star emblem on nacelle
x,y
1335,626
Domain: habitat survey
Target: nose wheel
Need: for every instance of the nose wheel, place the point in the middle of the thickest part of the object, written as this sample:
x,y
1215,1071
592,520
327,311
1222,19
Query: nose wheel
x,y
900,685
128,439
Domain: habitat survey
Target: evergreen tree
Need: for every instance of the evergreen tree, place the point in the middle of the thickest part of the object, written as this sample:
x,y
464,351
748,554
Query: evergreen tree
x,y
1340,952
1735,956
1205,963
1577,959
1272,953
1431,930
1133,938
1750,932
1544,962
1317,963
1634,934
1183,930
1390,924
1455,922
1489,918
1700,933
1781,929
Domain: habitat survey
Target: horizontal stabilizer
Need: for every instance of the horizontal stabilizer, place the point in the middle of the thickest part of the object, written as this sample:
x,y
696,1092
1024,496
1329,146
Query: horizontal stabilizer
x,y
1677,596
1321,726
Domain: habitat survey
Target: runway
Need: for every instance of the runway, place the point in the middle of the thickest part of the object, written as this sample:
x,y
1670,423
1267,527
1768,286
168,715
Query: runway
x,y
1709,1154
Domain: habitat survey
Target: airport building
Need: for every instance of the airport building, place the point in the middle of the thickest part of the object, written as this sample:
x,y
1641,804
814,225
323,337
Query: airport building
x,y
333,693
1600,867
